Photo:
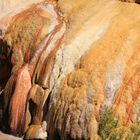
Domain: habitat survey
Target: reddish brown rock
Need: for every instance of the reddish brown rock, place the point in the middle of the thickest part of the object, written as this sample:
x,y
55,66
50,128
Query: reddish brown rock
x,y
18,101
33,35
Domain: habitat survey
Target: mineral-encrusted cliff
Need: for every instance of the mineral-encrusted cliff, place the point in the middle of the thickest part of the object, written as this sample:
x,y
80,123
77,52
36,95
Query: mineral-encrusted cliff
x,y
70,69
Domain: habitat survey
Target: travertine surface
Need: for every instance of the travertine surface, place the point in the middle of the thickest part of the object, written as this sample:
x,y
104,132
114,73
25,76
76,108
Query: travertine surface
x,y
70,61
8,8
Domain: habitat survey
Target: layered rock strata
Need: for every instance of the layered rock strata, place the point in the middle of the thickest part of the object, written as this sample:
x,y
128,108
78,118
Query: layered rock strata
x,y
75,70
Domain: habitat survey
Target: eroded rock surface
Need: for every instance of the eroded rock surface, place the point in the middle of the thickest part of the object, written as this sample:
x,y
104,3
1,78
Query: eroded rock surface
x,y
137,1
75,70
33,35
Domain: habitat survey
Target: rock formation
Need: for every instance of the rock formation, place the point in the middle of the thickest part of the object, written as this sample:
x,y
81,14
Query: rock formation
x,y
70,69
137,1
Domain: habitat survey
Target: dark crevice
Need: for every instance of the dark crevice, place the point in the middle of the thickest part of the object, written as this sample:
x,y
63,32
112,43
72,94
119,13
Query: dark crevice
x,y
5,73
46,107
5,63
134,1
138,1
57,136
32,110
1,110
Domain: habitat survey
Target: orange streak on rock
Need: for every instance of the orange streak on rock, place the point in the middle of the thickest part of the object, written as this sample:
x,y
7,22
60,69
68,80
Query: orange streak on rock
x,y
51,54
129,91
17,107
18,101
49,37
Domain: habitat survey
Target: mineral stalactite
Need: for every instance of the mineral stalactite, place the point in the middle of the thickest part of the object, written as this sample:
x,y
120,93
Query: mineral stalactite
x,y
42,29
69,69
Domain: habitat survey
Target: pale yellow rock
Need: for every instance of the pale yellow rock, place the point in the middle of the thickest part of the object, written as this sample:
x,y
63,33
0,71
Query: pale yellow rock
x,y
36,132
98,68
9,8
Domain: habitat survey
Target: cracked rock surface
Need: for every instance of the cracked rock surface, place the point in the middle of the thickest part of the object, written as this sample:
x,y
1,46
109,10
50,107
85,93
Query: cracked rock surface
x,y
69,70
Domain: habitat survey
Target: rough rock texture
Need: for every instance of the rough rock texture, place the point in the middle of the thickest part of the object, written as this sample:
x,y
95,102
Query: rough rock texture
x,y
75,70
8,8
36,132
33,34
137,1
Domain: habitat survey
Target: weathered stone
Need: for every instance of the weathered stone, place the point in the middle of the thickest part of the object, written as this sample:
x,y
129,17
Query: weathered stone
x,y
18,101
33,35
67,79
103,54
37,98
36,132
